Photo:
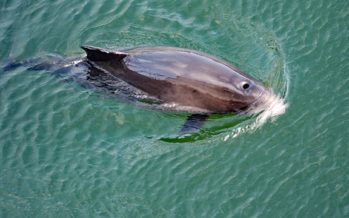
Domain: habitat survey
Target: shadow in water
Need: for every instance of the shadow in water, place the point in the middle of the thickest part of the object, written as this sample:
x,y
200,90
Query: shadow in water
x,y
208,132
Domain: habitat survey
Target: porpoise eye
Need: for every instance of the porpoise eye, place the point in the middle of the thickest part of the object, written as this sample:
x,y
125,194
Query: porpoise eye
x,y
245,85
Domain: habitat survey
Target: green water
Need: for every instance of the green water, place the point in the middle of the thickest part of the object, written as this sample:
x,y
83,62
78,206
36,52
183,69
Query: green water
x,y
69,152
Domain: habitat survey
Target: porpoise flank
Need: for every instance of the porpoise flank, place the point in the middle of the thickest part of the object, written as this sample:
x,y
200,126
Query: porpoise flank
x,y
187,80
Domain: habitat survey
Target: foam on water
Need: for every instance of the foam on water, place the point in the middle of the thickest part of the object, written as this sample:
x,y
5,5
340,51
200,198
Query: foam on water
x,y
270,106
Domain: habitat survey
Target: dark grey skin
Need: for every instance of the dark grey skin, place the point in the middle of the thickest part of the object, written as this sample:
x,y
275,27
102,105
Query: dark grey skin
x,y
183,79
173,79
195,82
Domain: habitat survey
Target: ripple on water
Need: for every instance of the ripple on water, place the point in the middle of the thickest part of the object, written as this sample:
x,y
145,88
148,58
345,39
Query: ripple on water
x,y
235,39
81,153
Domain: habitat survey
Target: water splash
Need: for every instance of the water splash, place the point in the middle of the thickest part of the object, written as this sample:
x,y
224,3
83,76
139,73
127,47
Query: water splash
x,y
270,106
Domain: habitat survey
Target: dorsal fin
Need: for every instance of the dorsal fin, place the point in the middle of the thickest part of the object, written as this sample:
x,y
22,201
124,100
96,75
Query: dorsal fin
x,y
100,54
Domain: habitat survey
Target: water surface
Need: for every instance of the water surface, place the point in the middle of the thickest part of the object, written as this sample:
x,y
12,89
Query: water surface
x,y
66,151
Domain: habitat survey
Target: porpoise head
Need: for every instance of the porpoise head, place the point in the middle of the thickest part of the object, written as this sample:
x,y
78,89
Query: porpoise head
x,y
256,99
